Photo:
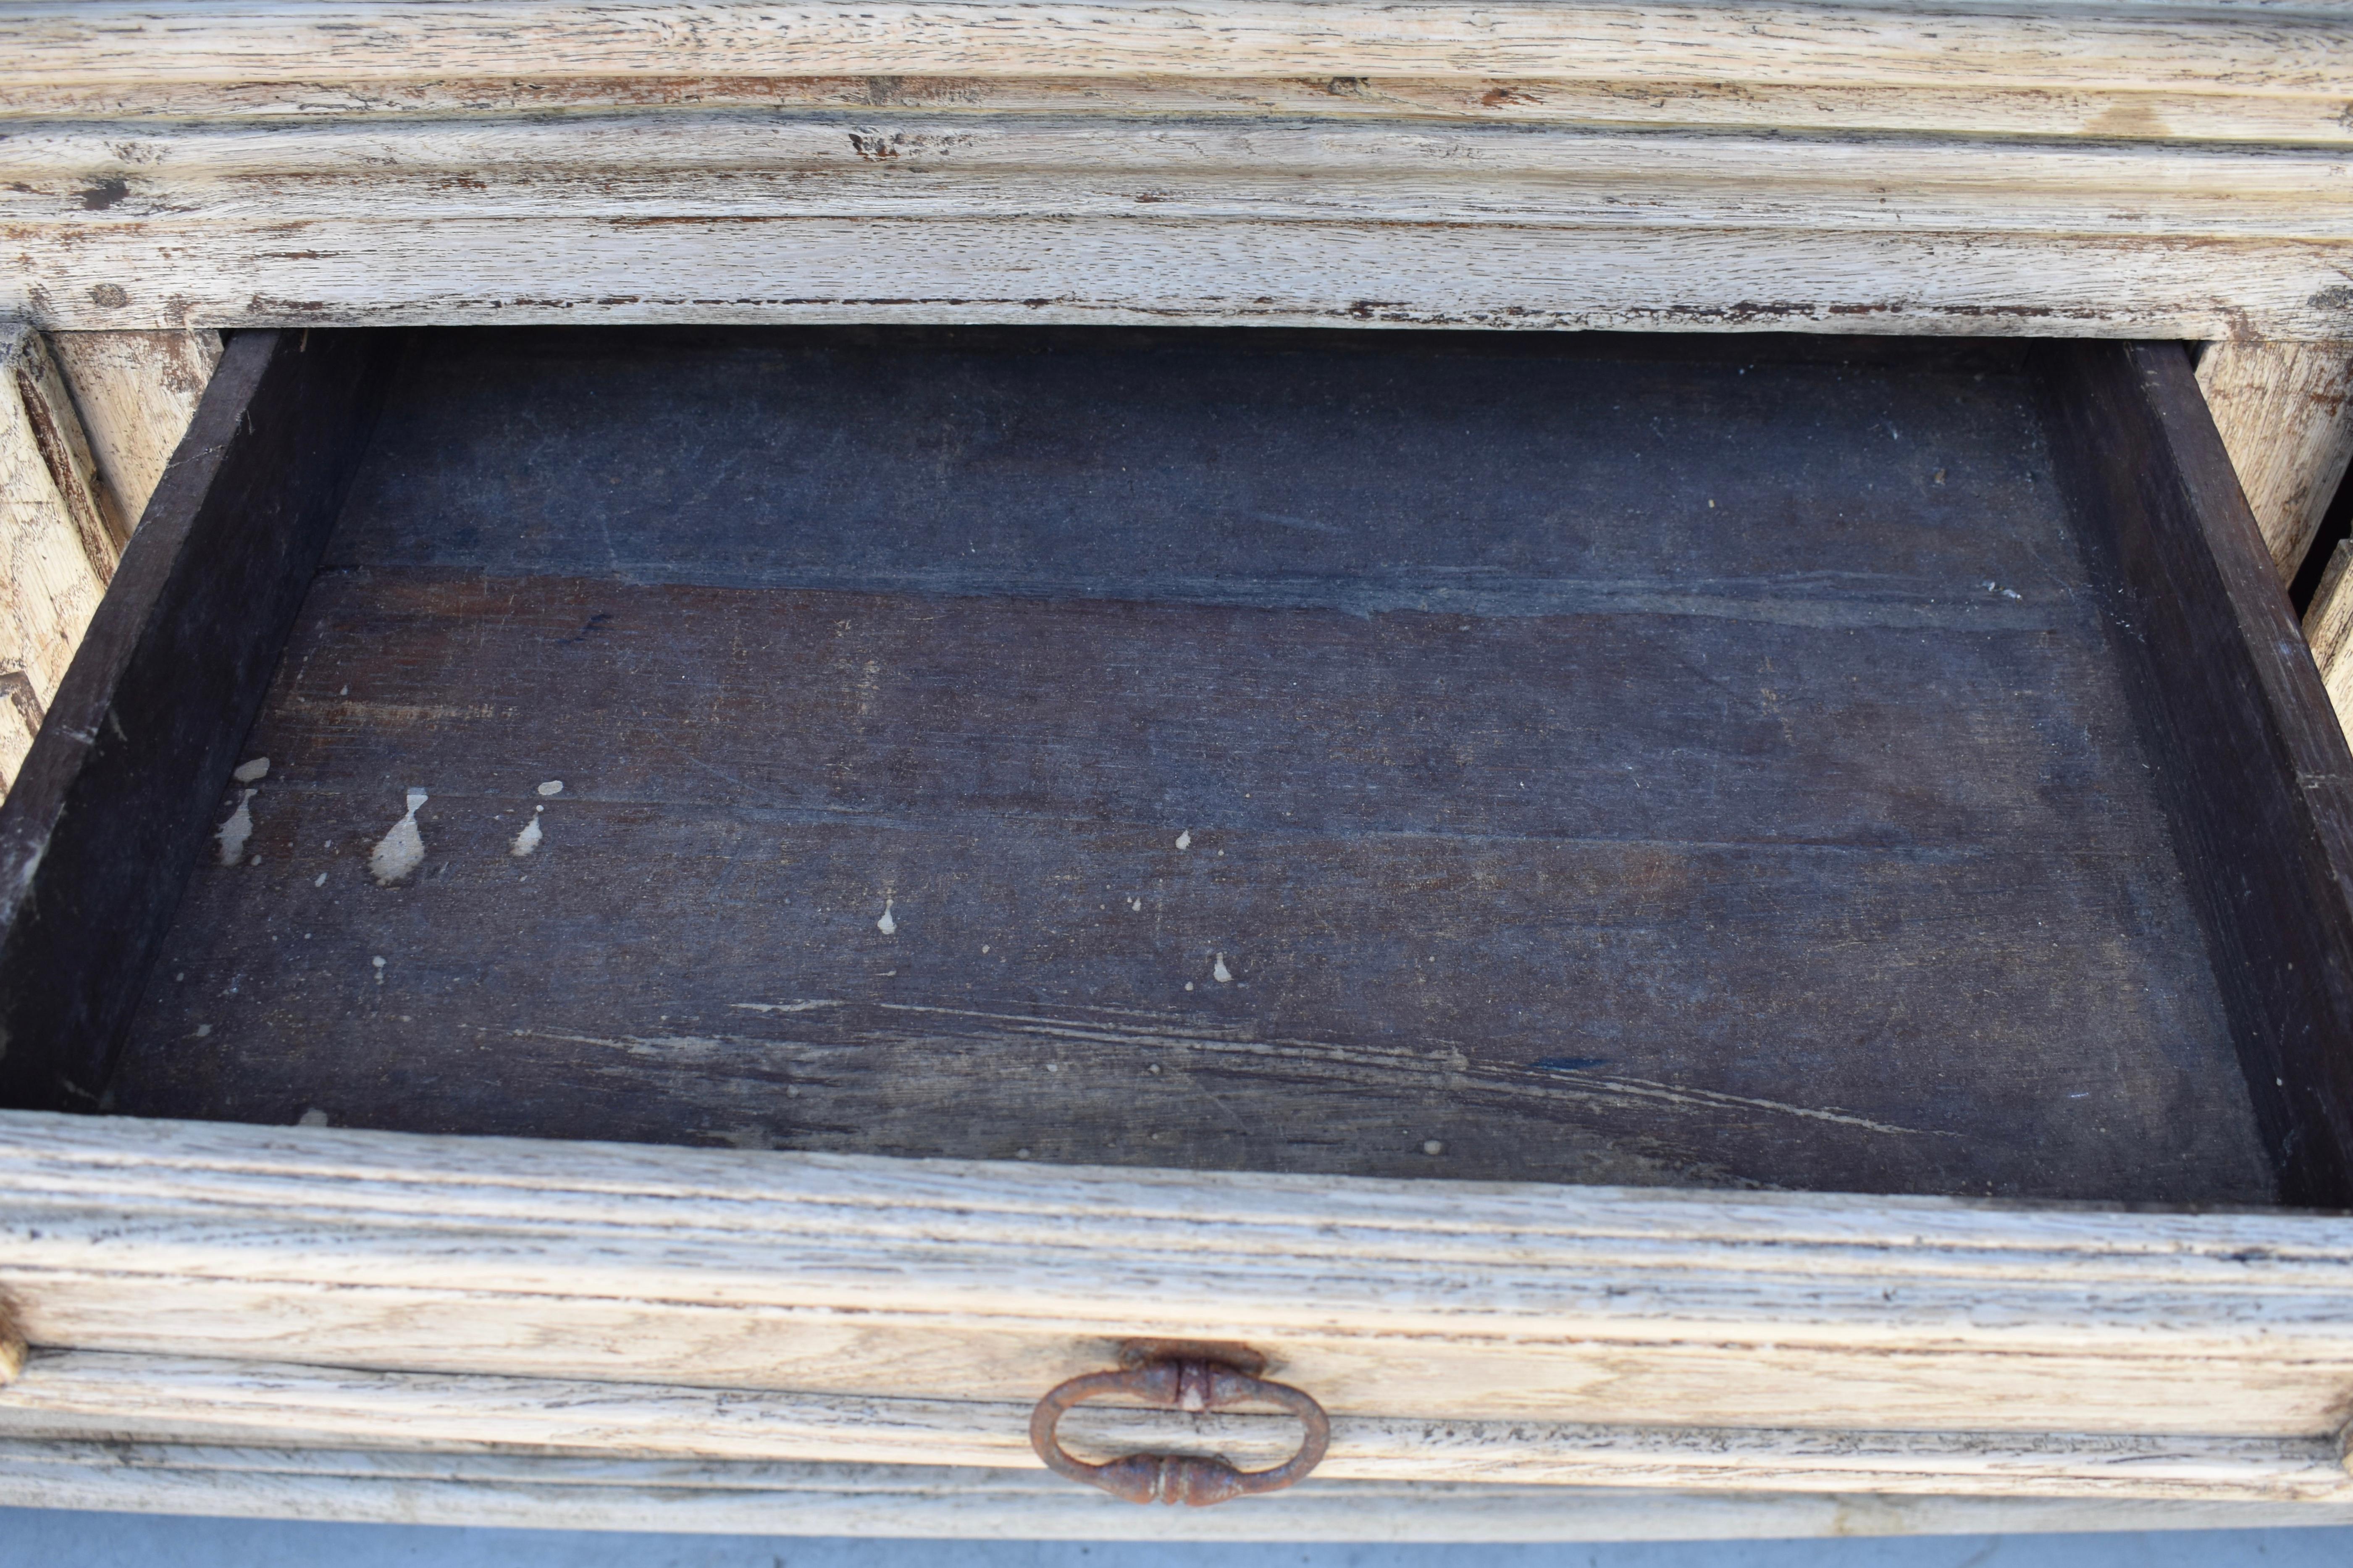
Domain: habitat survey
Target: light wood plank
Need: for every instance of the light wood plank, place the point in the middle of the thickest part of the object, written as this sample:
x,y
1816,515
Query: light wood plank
x,y
2216,112
912,1501
921,1278
1137,270
701,164
49,584
56,430
86,1394
2328,627
2285,414
136,393
2282,48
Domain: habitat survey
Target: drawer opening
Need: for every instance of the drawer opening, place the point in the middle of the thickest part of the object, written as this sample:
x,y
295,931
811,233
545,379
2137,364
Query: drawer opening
x,y
1726,762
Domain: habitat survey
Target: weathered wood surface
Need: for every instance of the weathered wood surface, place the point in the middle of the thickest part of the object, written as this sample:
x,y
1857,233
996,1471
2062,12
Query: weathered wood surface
x,y
55,556
108,807
1225,812
2283,49
2328,627
82,1395
136,394
2128,169
54,417
750,1498
2285,414
2216,111
993,1281
1098,271
273,209
690,163
2253,761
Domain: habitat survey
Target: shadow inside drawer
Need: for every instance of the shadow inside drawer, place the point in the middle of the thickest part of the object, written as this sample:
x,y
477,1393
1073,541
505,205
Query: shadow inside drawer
x,y
1378,753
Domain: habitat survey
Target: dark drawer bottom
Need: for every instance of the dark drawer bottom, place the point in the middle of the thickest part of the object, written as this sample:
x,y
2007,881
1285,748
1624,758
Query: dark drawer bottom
x,y
1391,755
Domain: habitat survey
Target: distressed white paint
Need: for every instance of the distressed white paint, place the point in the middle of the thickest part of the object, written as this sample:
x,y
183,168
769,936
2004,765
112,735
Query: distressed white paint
x,y
77,1393
1017,166
732,163
528,839
2137,167
766,1498
2280,49
1143,271
979,1281
2218,112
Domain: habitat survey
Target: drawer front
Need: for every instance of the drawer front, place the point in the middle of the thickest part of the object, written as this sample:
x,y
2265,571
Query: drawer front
x,y
199,1281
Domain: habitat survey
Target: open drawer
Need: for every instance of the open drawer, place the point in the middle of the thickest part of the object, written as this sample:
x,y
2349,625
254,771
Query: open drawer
x,y
1757,913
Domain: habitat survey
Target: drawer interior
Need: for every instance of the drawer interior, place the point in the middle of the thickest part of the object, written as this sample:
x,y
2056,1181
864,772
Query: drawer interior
x,y
1475,756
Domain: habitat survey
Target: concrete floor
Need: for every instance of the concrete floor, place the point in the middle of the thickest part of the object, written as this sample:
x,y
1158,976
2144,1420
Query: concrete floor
x,y
32,1538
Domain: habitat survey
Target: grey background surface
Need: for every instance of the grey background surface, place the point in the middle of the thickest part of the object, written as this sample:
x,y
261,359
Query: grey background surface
x,y
64,1538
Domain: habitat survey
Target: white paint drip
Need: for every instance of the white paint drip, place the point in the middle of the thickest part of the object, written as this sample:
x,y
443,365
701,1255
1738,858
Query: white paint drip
x,y
314,1117
402,850
528,839
1185,839
1135,904
233,833
379,969
320,881
886,925
253,772
553,786
1221,972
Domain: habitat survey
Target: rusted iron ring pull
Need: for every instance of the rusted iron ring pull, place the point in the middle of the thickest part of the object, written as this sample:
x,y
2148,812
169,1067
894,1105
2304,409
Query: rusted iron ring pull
x,y
1179,1385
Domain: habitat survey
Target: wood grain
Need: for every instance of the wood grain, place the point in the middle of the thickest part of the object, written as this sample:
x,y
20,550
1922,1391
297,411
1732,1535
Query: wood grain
x,y
993,1282
2328,627
1598,834
2137,168
747,1497
50,587
2258,771
2216,111
107,812
1139,271
2276,48
136,394
56,428
1095,164
91,1394
2285,414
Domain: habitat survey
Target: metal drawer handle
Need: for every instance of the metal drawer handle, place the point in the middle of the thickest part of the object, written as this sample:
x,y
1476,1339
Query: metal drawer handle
x,y
1186,1383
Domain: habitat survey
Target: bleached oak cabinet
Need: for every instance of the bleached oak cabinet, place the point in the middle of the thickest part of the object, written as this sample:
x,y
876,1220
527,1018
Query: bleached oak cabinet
x,y
1570,724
